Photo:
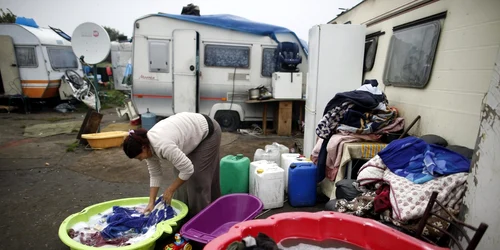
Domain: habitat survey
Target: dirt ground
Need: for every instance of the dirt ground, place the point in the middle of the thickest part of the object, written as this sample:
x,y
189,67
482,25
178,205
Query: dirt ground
x,y
42,181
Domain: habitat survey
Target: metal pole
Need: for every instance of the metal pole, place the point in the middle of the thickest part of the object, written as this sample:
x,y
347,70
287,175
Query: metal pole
x,y
96,88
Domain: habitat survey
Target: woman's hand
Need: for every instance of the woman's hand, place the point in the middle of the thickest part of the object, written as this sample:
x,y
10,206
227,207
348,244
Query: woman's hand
x,y
169,192
167,195
149,208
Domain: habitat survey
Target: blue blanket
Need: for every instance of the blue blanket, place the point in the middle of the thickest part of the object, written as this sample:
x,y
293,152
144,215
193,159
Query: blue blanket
x,y
420,162
237,23
125,220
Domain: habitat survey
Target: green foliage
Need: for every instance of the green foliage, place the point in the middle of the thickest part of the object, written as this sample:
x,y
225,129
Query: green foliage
x,y
116,97
72,146
114,34
7,17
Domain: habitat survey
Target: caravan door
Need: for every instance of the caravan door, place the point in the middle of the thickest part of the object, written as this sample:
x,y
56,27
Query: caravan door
x,y
185,69
10,83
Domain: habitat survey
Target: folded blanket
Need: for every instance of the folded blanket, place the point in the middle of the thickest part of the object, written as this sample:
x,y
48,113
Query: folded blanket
x,y
371,172
327,154
420,162
408,199
366,122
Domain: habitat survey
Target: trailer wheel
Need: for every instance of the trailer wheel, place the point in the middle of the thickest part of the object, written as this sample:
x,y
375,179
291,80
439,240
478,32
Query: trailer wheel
x,y
228,120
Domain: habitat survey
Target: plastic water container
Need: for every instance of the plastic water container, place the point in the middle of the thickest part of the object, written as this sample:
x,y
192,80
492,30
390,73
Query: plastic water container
x,y
234,172
148,120
270,154
253,167
280,147
268,186
302,187
287,160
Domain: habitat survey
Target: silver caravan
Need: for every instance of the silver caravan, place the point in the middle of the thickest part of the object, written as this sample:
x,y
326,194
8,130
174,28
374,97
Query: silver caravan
x,y
32,61
206,64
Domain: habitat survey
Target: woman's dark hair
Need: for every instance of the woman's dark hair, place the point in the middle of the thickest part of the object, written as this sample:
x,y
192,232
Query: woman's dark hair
x,y
134,142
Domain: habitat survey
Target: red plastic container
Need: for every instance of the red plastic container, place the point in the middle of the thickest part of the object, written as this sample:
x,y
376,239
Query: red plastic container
x,y
362,232
136,121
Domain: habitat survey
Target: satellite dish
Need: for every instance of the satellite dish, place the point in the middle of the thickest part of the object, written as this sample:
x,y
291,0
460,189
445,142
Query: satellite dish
x,y
91,41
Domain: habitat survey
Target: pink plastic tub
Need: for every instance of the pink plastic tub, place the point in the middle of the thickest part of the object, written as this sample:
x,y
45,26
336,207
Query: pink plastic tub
x,y
222,214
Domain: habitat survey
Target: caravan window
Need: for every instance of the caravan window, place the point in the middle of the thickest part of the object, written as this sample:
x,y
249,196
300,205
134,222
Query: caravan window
x,y
227,56
158,56
62,58
26,57
411,54
370,53
268,61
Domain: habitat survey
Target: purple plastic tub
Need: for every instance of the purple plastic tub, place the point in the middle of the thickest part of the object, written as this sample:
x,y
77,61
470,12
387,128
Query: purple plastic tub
x,y
222,214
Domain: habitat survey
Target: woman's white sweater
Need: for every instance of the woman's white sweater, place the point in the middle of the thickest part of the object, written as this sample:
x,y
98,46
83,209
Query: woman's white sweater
x,y
172,139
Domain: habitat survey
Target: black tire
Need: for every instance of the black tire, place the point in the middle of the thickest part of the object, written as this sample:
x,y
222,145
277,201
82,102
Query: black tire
x,y
229,121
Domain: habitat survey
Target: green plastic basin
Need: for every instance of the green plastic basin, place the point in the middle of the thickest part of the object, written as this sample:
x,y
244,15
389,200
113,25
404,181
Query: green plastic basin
x,y
164,227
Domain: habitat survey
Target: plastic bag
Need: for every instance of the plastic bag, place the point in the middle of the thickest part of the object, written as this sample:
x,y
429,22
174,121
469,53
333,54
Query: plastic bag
x,y
127,76
345,190
65,108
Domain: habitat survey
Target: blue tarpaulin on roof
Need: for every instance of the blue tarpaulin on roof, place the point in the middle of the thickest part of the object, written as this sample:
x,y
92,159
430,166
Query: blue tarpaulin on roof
x,y
237,23
26,21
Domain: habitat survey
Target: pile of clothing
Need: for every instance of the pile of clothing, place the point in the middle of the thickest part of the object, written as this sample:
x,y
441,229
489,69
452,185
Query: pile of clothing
x,y
359,115
261,242
396,185
123,224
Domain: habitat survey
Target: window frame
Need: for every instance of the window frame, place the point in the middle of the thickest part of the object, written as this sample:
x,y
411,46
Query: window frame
x,y
434,19
262,61
49,48
227,45
375,37
34,53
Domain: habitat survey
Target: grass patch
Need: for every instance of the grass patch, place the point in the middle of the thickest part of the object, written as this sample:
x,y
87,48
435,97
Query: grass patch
x,y
115,97
72,146
112,98
106,106
57,119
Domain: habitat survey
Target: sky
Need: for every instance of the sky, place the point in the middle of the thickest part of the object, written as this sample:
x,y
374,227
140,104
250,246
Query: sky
x,y
296,15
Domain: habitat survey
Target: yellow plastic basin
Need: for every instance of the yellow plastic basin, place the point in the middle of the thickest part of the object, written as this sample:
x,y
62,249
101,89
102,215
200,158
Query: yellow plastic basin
x,y
105,139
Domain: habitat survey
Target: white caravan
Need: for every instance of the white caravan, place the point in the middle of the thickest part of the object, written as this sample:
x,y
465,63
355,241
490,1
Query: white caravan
x,y
437,59
33,61
432,58
205,64
121,56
